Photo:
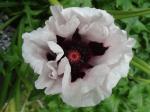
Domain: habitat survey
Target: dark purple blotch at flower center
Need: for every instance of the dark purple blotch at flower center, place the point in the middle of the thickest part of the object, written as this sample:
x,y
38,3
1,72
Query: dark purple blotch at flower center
x,y
78,53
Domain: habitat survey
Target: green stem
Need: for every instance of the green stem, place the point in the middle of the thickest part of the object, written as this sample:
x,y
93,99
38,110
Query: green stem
x,y
140,64
142,80
25,102
9,4
28,14
116,12
127,14
20,32
138,79
16,13
17,95
3,26
3,94
54,2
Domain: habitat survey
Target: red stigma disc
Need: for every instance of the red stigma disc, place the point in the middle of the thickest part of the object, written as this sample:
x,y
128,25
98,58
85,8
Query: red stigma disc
x,y
74,56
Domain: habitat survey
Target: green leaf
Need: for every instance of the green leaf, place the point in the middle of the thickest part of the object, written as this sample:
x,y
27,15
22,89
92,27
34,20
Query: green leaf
x,y
125,4
11,106
111,104
21,30
7,4
28,14
76,3
137,62
3,94
7,23
128,14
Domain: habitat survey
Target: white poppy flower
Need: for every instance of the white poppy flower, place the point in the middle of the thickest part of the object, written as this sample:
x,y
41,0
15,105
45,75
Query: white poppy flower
x,y
80,54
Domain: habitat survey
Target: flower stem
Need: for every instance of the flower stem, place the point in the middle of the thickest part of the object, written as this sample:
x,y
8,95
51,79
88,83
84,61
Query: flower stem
x,y
3,26
7,4
140,64
127,14
138,79
5,86
20,32
54,2
28,14
142,80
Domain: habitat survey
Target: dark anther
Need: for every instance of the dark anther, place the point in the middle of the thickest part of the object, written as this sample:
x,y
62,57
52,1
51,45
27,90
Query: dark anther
x,y
60,39
50,56
97,48
81,74
76,36
76,75
88,66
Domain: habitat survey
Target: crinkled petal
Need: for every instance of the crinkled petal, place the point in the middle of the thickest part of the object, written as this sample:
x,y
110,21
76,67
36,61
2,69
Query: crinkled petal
x,y
116,43
49,80
76,17
44,80
35,47
56,49
91,98
40,36
94,77
57,14
121,68
55,88
86,91
61,65
60,25
88,15
57,69
52,65
90,32
33,55
65,30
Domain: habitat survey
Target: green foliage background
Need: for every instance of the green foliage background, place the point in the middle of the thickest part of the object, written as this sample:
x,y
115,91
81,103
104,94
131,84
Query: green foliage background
x,y
17,91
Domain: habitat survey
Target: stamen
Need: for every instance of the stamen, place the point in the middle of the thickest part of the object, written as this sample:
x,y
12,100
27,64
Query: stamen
x,y
97,48
76,36
76,75
60,39
50,56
